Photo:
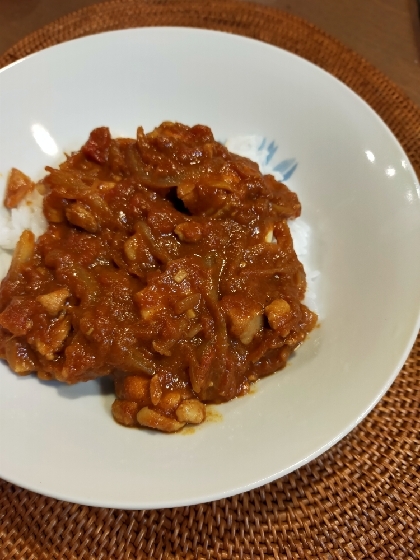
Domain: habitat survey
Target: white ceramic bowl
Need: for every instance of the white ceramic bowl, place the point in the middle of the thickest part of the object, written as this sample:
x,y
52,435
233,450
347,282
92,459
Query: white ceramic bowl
x,y
359,194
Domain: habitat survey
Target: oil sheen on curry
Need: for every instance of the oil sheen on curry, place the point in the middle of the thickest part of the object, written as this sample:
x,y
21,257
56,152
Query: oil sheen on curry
x,y
167,264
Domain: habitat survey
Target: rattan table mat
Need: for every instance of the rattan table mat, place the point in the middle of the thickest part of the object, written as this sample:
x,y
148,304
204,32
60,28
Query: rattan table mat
x,y
359,500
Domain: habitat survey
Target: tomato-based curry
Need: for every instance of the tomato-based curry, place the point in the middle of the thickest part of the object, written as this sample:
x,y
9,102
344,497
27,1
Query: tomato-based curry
x,y
167,263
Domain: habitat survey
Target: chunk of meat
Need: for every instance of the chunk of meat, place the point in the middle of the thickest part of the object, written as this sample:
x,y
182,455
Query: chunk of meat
x,y
18,186
79,215
20,356
245,317
55,301
17,317
97,147
51,339
23,252
190,232
278,313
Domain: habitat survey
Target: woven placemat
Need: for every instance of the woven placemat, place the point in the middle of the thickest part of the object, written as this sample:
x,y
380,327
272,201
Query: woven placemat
x,y
359,500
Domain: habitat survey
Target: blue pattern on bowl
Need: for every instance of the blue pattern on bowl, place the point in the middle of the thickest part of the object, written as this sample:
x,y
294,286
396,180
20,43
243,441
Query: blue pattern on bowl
x,y
286,167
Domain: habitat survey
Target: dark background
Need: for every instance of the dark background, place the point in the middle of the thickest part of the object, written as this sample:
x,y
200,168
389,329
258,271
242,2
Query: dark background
x,y
385,32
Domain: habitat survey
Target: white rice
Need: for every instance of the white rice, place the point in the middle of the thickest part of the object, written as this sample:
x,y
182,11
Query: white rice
x,y
29,215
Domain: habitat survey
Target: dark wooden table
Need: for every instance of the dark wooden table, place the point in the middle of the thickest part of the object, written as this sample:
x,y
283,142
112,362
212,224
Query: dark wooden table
x,y
385,32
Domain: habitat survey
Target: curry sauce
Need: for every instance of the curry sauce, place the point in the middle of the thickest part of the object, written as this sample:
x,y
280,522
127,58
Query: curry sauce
x,y
167,263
